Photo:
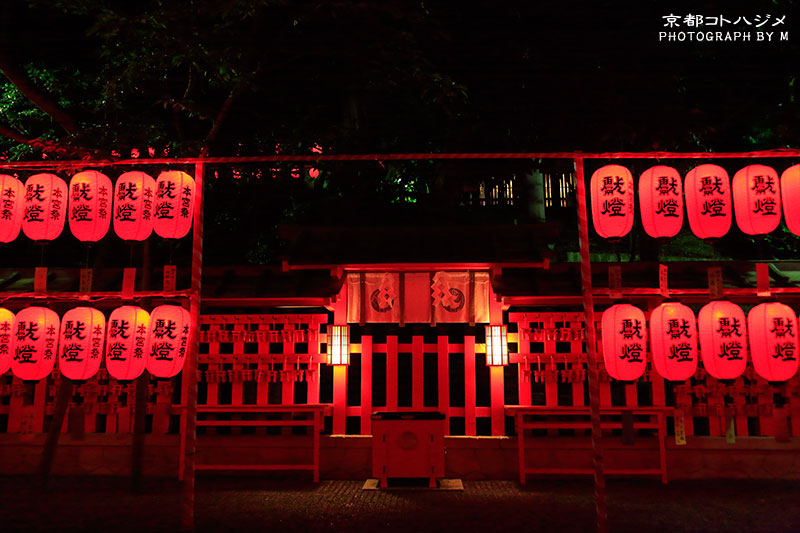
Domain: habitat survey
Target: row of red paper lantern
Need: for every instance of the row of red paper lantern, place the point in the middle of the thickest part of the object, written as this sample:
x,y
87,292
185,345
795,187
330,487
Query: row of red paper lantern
x,y
140,205
132,340
757,195
723,333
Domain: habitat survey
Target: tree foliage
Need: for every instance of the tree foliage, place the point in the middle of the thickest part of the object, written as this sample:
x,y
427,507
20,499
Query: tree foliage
x,y
101,78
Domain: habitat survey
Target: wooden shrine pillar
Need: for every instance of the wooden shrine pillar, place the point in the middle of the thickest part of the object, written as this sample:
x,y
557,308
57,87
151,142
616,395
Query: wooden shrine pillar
x,y
592,373
340,371
496,373
190,369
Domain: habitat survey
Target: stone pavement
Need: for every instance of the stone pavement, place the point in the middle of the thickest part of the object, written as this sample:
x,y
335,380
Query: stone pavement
x,y
290,503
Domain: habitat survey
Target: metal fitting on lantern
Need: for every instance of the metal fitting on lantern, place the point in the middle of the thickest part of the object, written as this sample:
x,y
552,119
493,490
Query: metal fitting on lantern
x,y
338,345
496,346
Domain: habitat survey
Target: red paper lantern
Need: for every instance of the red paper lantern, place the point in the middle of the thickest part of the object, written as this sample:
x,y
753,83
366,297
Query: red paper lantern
x,y
772,327
756,199
11,207
338,345
134,196
661,201
723,339
624,342
612,201
83,330
790,195
128,328
35,339
45,207
673,341
708,201
89,205
168,341
6,339
496,345
174,204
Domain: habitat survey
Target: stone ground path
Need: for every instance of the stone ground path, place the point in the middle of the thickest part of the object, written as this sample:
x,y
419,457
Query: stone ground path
x,y
295,504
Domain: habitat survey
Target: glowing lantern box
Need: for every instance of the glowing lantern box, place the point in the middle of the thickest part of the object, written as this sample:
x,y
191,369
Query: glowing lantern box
x,y
35,338
6,339
45,207
612,201
89,205
134,196
83,330
723,339
168,341
673,341
11,207
624,342
790,194
661,201
174,204
408,445
496,346
338,345
126,339
708,201
772,328
756,199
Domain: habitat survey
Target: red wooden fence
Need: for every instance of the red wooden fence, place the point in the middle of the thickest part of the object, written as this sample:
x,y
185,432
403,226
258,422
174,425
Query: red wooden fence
x,y
279,359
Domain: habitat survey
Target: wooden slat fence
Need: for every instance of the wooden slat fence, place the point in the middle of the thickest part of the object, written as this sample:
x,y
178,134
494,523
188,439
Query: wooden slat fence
x,y
279,360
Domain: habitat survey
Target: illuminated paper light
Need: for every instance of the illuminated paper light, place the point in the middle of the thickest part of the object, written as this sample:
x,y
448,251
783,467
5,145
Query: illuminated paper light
x,y
756,199
134,200
6,339
624,342
90,205
80,350
126,342
661,201
612,201
723,339
673,341
496,345
168,341
45,207
338,345
790,195
174,204
12,197
708,201
772,328
35,338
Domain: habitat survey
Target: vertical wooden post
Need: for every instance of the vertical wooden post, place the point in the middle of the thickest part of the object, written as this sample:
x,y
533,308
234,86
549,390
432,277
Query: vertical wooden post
x,y
470,417
62,401
391,373
139,419
366,384
417,372
498,400
496,382
591,346
339,399
340,372
443,371
190,372
140,401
